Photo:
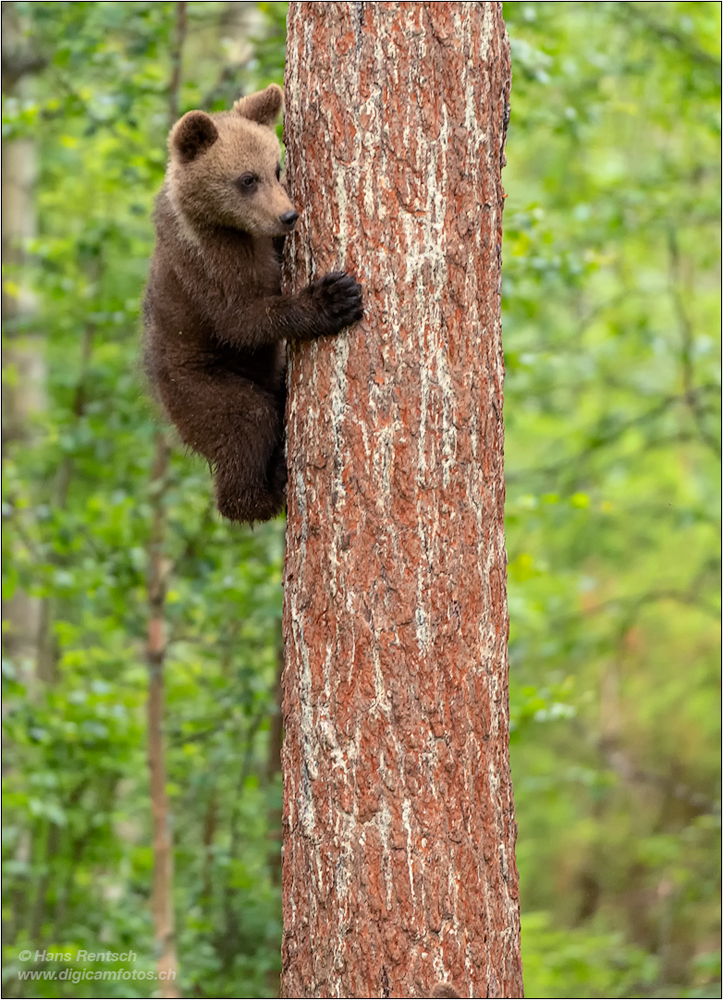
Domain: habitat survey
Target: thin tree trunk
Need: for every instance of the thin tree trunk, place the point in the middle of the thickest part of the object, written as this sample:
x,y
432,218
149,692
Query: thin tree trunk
x,y
24,376
48,650
162,895
273,767
24,372
40,904
162,889
399,868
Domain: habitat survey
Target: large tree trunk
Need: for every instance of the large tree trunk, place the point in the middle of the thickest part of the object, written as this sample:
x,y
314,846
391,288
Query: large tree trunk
x,y
399,866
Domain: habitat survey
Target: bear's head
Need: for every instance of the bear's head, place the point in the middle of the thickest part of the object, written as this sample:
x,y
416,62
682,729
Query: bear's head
x,y
225,168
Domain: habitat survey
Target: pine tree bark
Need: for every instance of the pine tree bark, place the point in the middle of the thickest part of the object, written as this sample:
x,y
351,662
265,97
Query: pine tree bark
x,y
399,869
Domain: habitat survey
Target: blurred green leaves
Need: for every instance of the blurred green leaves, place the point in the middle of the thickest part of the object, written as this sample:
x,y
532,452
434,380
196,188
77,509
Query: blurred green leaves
x,y
77,511
611,331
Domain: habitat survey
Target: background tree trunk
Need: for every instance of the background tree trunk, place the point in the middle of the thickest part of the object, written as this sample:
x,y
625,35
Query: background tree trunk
x,y
399,866
162,894
24,377
162,901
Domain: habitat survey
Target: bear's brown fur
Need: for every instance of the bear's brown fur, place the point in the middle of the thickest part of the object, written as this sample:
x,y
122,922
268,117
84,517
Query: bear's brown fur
x,y
216,322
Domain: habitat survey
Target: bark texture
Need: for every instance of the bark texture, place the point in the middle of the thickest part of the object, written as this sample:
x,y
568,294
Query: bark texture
x,y
399,868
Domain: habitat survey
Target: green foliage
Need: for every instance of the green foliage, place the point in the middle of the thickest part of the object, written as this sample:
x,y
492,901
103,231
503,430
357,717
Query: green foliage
x,y
560,963
610,301
78,508
610,315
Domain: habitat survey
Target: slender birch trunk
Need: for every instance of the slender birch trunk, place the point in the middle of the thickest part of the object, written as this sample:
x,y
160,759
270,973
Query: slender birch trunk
x,y
399,867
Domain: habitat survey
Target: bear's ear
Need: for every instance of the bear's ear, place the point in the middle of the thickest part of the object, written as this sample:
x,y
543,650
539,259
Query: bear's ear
x,y
193,134
263,107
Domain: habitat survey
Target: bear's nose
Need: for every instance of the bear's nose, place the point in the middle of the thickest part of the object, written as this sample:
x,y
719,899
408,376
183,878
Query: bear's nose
x,y
289,219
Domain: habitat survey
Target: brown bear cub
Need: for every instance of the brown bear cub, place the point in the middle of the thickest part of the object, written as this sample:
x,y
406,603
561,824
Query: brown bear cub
x,y
216,321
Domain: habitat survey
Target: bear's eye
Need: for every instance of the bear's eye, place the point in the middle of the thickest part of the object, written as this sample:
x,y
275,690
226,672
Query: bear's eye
x,y
278,171
247,183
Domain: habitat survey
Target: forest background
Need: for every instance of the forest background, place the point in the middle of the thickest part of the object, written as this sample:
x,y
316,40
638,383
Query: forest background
x,y
610,325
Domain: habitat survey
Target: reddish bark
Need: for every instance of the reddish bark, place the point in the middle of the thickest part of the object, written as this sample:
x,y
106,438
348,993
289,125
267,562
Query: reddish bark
x,y
399,868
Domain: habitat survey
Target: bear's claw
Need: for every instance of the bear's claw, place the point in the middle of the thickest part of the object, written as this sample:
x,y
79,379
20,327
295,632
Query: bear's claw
x,y
339,297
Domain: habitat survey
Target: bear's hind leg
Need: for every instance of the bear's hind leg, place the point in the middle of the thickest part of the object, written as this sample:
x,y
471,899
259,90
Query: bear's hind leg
x,y
239,500
249,464
277,475
239,428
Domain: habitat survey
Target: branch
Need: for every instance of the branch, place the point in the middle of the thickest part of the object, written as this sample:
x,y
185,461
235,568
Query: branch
x,y
667,34
600,441
176,57
691,396
21,65
619,762
634,605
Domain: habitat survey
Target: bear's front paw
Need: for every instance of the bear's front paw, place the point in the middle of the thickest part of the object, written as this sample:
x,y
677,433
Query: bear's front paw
x,y
338,297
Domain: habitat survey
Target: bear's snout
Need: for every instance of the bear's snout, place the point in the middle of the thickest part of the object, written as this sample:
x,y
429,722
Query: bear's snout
x,y
288,219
